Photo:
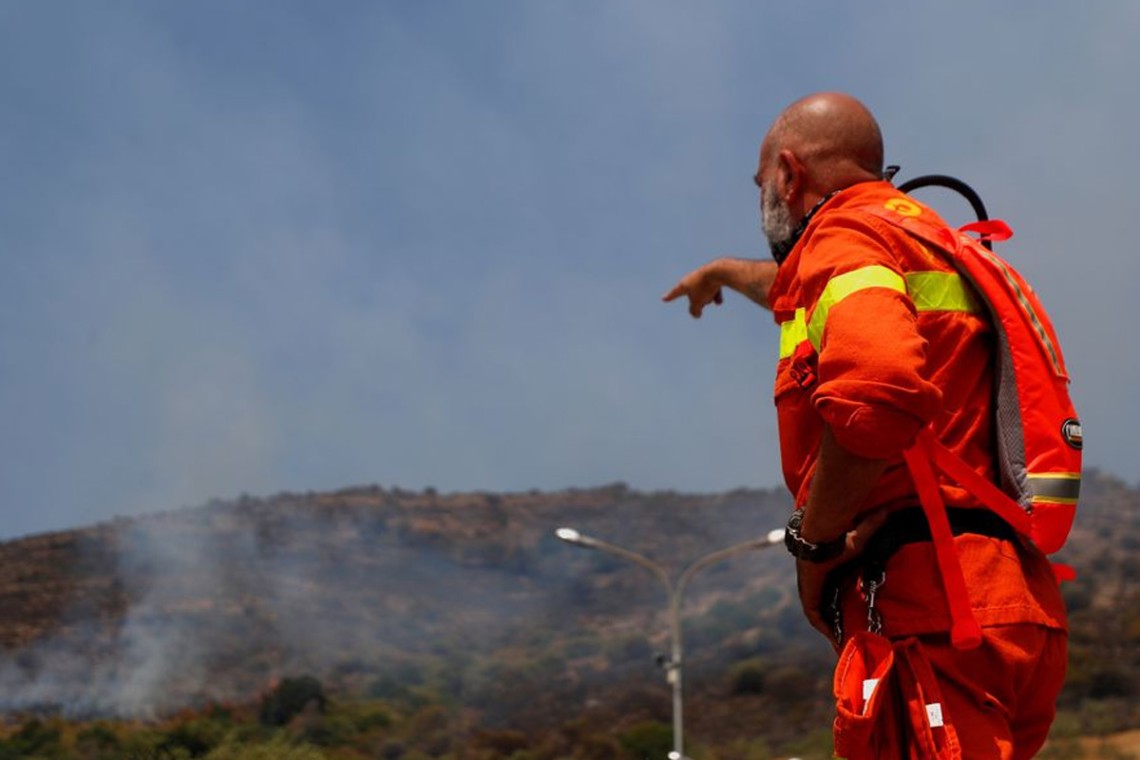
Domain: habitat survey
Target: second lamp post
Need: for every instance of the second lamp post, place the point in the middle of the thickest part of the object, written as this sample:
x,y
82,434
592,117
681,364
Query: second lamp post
x,y
675,593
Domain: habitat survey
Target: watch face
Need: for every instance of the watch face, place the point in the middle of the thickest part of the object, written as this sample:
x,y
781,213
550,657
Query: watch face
x,y
797,546
810,552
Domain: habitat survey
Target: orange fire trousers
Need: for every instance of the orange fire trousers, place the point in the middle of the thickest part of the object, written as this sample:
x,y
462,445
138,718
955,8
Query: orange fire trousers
x,y
1001,697
997,701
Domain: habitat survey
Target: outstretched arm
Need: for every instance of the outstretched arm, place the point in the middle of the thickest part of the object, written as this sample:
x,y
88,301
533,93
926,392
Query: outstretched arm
x,y
750,277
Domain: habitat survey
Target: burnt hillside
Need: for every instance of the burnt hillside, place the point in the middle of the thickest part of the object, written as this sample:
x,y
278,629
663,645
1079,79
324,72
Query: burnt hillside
x,y
470,598
213,603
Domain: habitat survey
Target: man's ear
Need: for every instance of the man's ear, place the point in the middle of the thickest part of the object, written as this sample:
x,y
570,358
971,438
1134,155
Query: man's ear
x,y
790,177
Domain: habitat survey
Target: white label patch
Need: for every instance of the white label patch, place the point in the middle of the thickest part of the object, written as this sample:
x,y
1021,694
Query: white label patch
x,y
869,688
934,714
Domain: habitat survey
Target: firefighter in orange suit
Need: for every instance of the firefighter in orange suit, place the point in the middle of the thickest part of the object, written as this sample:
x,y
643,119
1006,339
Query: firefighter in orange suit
x,y
864,365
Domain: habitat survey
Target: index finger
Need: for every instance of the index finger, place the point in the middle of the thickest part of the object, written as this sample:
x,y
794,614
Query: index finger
x,y
678,290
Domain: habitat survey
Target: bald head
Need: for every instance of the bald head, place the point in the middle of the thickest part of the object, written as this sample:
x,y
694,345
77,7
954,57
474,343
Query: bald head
x,y
831,137
817,145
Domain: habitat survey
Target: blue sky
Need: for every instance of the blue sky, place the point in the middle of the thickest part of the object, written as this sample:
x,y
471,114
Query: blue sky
x,y
265,246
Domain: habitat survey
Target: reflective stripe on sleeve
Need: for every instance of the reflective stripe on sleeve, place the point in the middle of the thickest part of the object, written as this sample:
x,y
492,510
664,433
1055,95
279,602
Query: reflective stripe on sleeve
x,y
940,291
1055,487
841,286
792,333
929,291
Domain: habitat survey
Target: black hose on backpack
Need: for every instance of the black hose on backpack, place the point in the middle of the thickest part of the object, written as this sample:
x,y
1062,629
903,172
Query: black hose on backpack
x,y
955,184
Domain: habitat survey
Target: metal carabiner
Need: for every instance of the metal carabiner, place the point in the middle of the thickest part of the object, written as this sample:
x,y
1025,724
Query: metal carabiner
x,y
836,615
871,586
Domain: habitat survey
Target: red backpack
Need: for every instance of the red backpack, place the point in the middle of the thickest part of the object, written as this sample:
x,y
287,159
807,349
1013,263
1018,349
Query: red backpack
x,y
1038,432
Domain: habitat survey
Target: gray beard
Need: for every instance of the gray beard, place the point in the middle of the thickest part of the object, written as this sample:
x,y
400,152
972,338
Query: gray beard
x,y
775,218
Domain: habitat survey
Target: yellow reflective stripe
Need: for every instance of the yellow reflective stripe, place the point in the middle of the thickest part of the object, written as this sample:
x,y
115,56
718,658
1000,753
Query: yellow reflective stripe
x,y
1055,487
792,333
841,286
940,291
929,291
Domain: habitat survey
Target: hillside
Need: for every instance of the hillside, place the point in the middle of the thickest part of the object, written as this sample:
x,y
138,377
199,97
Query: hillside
x,y
469,599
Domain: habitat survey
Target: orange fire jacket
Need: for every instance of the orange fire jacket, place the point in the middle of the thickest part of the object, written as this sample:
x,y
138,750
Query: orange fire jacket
x,y
879,337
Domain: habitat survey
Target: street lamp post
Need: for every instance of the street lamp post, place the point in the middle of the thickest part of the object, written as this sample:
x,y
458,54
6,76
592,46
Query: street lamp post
x,y
675,594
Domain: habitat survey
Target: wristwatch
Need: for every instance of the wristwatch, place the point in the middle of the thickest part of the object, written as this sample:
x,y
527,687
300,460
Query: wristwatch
x,y
801,548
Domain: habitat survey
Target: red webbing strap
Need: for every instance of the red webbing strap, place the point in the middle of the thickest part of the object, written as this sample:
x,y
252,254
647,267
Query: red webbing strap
x,y
965,633
990,495
990,229
1063,572
930,733
979,487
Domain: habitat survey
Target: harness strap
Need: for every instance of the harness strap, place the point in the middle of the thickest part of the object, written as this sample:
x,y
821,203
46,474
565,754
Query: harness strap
x,y
979,487
998,501
965,632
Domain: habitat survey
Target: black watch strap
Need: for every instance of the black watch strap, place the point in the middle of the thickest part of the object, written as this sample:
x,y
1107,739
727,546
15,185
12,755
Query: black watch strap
x,y
803,549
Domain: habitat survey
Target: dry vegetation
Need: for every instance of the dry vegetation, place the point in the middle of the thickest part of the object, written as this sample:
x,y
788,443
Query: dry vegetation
x,y
457,626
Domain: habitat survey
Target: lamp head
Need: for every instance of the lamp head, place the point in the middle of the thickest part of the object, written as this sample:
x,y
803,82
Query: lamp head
x,y
569,534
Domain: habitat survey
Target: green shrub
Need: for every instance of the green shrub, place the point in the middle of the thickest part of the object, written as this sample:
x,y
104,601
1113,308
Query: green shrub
x,y
649,739
816,745
289,698
429,730
197,737
499,743
749,676
327,730
790,678
366,716
750,749
278,749
36,739
388,687
96,738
